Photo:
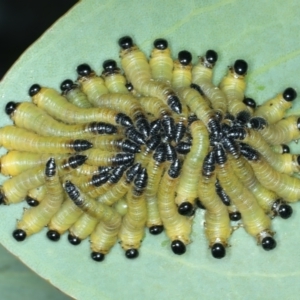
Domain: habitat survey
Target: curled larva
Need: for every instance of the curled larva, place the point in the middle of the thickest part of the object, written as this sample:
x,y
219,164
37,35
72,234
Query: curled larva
x,y
274,109
161,62
187,186
254,219
36,218
233,85
28,116
138,72
58,107
14,138
133,224
217,223
15,189
178,228
74,94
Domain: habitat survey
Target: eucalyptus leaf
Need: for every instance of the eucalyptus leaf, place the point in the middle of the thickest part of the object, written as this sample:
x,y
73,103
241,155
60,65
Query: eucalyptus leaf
x,y
266,35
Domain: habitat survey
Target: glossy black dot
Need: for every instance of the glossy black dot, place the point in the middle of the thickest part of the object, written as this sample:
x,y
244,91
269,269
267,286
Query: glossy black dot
x,y
178,247
157,229
250,102
185,57
132,253
235,216
84,70
211,56
10,107
160,44
268,243
53,235
285,211
129,87
74,240
286,149
31,201
19,235
199,204
218,250
186,209
67,85
34,89
96,256
125,42
240,67
289,94
109,65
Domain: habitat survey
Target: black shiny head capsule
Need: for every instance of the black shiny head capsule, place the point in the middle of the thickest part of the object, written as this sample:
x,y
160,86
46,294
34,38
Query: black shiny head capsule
x,y
50,169
178,247
34,89
11,107
129,87
243,117
218,250
268,243
174,103
132,253
160,44
67,85
285,211
76,160
235,216
123,120
31,202
240,67
249,102
289,94
199,204
109,66
211,57
53,235
156,229
125,42
74,240
286,149
96,256
19,235
174,169
81,145
186,209
185,57
84,70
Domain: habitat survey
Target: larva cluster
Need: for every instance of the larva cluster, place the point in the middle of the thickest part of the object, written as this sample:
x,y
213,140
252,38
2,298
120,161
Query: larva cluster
x,y
113,154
